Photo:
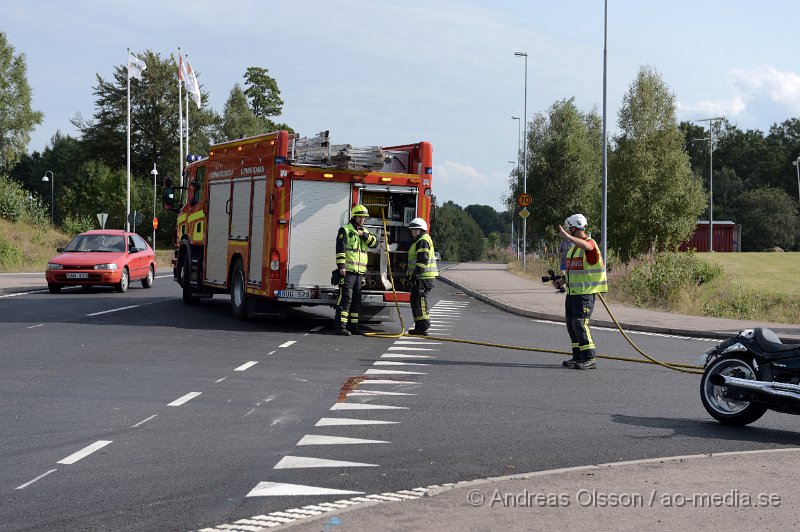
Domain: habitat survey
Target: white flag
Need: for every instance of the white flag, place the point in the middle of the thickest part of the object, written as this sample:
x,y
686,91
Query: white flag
x,y
182,74
192,86
135,66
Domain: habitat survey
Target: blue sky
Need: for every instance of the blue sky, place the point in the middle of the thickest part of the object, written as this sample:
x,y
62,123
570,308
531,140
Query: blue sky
x,y
392,72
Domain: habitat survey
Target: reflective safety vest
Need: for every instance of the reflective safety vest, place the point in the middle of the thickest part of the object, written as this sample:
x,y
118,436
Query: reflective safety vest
x,y
582,277
419,248
351,249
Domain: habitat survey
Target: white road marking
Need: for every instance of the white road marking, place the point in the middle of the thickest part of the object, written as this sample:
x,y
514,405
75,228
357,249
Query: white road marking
x,y
113,310
142,422
34,326
343,421
40,477
420,342
411,349
298,462
247,365
365,406
273,489
271,353
315,439
317,328
188,397
394,363
250,412
287,344
220,380
391,372
23,293
400,355
86,451
164,276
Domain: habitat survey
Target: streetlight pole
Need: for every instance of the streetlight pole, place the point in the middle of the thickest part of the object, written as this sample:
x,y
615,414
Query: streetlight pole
x,y
796,164
52,187
154,173
512,205
604,171
711,123
525,159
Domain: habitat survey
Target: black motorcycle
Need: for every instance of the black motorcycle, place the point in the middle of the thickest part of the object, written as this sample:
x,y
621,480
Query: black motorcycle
x,y
748,374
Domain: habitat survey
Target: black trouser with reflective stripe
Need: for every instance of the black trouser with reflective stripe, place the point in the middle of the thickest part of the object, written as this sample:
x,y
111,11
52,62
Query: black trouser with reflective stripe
x,y
419,303
348,305
578,309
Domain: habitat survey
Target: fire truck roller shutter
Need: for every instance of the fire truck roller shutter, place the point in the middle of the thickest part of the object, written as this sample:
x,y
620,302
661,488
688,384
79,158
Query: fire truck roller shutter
x,y
318,210
240,209
257,231
216,256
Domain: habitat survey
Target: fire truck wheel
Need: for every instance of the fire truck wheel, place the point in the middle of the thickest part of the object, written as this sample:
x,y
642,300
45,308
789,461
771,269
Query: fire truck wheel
x,y
238,292
186,268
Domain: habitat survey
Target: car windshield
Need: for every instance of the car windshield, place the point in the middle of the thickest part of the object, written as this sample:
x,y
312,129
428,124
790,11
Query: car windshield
x,y
87,243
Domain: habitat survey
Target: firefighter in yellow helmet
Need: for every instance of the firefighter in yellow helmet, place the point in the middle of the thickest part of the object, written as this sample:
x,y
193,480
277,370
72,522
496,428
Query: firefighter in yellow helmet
x,y
352,242
422,271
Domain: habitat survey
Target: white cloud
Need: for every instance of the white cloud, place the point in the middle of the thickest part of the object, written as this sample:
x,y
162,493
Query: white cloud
x,y
466,185
762,92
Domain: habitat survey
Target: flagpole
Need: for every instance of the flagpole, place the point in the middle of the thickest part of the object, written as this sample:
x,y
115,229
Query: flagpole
x,y
128,189
180,115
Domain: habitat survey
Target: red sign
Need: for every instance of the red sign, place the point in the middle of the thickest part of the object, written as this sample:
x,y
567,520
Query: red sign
x,y
524,200
155,223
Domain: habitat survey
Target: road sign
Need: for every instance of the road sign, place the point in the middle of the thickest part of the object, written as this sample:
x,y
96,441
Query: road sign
x,y
102,217
524,213
524,200
155,223
135,218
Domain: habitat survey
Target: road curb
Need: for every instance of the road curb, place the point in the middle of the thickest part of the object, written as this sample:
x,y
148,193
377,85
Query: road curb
x,y
717,335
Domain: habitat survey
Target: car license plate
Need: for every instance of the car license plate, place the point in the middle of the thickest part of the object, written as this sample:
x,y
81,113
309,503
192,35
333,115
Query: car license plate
x,y
77,276
295,294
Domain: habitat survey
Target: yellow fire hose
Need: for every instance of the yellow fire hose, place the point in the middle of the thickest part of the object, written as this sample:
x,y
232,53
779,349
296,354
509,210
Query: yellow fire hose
x,y
684,368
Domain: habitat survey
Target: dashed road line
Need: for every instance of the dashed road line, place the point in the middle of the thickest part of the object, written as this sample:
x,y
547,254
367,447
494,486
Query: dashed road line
x,y
318,439
34,326
272,489
40,477
142,422
287,344
181,400
113,310
373,371
345,421
365,406
220,380
246,365
301,462
83,453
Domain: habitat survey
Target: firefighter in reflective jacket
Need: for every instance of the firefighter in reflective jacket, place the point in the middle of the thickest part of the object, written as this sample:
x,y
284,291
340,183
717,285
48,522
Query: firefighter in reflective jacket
x,y
585,277
422,271
352,242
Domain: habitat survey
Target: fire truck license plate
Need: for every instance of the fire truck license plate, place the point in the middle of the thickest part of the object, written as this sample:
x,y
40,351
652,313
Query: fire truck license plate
x,y
77,276
295,294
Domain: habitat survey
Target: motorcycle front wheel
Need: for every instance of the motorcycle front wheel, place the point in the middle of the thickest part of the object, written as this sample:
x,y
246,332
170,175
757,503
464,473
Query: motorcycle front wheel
x,y
724,409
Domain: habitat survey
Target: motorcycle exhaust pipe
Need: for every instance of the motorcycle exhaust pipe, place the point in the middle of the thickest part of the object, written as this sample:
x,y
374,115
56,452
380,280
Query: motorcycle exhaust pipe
x,y
779,390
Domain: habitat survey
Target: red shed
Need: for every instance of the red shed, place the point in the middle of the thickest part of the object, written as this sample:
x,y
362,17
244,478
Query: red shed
x,y
727,237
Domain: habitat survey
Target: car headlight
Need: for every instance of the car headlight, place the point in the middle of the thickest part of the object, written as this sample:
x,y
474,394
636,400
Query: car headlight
x,y
54,266
111,266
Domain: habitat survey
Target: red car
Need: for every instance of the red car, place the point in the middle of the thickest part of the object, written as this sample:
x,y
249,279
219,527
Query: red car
x,y
102,257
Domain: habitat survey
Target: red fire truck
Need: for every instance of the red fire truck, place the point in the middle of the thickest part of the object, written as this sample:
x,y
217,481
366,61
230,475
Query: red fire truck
x,y
261,216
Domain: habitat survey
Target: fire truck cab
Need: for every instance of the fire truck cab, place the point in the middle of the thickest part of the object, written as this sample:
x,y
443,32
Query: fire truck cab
x,y
261,214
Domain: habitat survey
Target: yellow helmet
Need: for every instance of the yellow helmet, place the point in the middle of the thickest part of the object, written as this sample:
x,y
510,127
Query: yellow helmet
x,y
359,210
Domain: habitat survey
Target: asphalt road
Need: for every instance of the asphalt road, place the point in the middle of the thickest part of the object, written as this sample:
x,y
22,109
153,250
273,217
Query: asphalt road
x,y
185,418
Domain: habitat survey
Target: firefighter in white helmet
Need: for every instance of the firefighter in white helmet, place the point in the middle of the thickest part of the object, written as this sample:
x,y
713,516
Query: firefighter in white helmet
x,y
421,271
585,276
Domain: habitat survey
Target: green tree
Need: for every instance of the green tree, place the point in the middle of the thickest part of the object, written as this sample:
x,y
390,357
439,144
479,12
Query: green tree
x,y
17,119
654,198
564,168
456,235
769,219
154,119
238,120
486,217
262,92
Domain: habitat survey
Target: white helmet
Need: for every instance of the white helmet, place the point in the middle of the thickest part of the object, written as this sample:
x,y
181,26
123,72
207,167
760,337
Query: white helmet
x,y
577,221
418,223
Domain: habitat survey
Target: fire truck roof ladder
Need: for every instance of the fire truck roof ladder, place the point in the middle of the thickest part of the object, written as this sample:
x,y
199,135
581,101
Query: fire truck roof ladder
x,y
318,151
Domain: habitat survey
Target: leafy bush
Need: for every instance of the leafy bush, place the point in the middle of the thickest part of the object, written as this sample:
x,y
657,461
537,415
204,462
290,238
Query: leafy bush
x,y
12,199
661,281
10,256
74,224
